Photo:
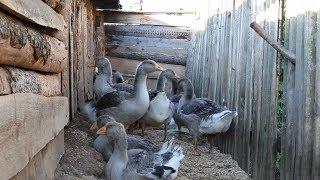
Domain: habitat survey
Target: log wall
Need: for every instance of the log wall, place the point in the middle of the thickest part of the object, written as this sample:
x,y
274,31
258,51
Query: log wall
x,y
133,36
34,63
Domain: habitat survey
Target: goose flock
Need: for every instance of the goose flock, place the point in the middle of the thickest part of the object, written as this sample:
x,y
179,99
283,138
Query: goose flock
x,y
120,106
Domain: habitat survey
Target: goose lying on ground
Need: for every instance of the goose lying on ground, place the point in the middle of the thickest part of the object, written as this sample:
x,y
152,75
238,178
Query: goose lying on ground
x,y
103,143
202,116
138,164
125,107
161,109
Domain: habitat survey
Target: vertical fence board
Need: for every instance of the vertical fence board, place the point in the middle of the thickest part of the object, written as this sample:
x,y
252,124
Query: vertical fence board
x,y
316,134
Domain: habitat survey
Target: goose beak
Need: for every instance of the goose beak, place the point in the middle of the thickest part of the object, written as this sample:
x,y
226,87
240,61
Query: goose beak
x,y
102,130
159,68
94,126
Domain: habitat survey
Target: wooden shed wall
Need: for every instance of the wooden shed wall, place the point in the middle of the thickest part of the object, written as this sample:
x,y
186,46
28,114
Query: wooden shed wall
x,y
232,65
86,42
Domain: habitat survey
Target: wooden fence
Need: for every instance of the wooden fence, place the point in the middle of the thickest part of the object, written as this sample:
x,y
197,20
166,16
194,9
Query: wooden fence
x,y
301,132
231,64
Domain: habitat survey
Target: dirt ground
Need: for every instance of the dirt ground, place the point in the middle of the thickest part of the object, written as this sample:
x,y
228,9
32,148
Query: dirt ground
x,y
81,161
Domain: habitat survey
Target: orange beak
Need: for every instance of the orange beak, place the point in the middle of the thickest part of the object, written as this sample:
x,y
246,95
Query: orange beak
x,y
94,126
159,68
102,130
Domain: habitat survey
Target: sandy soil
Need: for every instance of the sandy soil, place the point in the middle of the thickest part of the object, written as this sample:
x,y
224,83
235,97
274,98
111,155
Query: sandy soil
x,y
81,161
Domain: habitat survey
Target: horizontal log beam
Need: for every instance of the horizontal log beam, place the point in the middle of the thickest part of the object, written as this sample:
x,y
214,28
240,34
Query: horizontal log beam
x,y
22,81
150,18
35,11
28,122
44,163
149,42
148,31
24,47
162,55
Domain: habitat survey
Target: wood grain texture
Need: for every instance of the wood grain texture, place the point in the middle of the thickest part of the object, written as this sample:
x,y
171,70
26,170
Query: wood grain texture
x,y
44,163
25,47
28,123
35,11
164,55
150,18
148,31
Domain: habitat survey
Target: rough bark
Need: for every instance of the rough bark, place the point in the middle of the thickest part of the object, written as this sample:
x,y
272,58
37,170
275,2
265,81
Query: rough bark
x,y
24,47
35,11
22,81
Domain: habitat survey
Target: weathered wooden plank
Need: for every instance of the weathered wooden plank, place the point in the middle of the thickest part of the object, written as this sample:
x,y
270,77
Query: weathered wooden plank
x,y
147,42
163,55
148,31
4,82
44,163
150,18
23,81
24,47
28,122
316,111
290,112
128,66
35,11
300,96
309,54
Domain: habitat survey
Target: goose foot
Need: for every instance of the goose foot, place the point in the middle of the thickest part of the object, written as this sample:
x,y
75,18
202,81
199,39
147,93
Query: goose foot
x,y
165,132
210,138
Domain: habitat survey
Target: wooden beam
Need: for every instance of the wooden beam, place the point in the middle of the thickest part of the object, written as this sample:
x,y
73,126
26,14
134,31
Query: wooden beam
x,y
148,31
28,122
24,47
163,55
35,11
276,45
150,18
149,42
45,162
128,66
23,81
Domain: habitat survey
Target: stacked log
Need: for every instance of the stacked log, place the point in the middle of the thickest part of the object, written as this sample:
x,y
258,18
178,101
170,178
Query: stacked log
x,y
33,54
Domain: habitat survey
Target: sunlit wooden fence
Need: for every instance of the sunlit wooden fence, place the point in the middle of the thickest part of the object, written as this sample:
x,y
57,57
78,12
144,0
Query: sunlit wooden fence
x,y
232,64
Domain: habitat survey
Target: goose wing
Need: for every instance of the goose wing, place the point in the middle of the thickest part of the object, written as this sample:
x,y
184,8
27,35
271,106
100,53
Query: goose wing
x,y
124,87
202,107
112,99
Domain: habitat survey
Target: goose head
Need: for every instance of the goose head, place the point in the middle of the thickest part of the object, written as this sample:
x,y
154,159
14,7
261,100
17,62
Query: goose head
x,y
104,66
101,121
186,86
148,66
169,74
117,76
116,131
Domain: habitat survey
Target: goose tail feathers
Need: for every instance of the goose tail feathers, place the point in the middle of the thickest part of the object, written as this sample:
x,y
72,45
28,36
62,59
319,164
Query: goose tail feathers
x,y
88,110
